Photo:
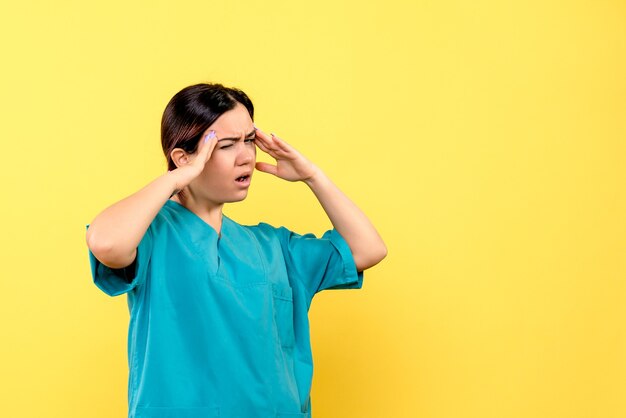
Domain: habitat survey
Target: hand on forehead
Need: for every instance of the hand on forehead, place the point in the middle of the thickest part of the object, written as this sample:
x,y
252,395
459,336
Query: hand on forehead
x,y
233,124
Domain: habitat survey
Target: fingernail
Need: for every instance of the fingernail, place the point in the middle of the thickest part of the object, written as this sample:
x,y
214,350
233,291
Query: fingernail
x,y
209,136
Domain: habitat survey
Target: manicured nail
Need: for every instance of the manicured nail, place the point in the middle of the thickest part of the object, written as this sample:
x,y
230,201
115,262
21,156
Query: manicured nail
x,y
209,136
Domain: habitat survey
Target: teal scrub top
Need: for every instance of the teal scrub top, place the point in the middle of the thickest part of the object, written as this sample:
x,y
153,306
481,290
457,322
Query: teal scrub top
x,y
219,325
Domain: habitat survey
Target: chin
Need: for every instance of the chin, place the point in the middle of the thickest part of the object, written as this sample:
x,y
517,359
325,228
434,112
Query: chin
x,y
235,199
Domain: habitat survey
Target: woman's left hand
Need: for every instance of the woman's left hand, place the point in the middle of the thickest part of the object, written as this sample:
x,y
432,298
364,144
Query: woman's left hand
x,y
290,164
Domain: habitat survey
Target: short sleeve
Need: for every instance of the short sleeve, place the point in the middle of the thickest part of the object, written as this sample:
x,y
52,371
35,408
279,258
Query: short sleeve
x,y
320,263
115,282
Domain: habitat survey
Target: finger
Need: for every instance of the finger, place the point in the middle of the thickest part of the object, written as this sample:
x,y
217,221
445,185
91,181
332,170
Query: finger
x,y
271,146
207,146
261,134
263,147
274,143
281,144
266,168
205,149
268,148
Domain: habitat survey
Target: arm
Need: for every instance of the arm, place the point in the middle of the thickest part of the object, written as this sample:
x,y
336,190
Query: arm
x,y
365,243
113,235
367,247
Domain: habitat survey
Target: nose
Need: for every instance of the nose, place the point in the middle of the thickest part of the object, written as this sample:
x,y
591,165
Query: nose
x,y
246,156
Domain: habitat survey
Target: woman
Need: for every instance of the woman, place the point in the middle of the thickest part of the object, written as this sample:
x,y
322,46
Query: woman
x,y
218,310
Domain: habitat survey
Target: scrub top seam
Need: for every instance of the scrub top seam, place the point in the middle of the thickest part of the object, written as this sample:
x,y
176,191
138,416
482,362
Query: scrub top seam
x,y
258,250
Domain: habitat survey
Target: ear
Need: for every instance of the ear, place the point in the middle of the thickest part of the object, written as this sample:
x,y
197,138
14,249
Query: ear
x,y
179,157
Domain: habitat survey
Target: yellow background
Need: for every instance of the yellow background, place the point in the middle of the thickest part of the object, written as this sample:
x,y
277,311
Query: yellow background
x,y
485,140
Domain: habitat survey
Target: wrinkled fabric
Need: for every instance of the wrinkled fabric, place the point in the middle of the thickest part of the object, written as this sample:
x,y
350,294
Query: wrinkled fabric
x,y
219,325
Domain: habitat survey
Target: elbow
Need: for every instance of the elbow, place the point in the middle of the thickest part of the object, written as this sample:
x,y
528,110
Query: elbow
x,y
381,253
383,250
97,246
100,250
373,257
108,254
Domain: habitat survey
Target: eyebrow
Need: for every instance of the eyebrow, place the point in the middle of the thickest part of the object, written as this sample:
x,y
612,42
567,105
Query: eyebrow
x,y
237,139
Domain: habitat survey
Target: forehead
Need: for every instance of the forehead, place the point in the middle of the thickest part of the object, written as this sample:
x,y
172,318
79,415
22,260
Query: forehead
x,y
235,122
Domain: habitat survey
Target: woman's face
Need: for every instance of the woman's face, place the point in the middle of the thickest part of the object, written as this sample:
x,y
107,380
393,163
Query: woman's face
x,y
227,175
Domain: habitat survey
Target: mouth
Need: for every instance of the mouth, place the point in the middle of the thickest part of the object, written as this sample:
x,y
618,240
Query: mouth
x,y
243,180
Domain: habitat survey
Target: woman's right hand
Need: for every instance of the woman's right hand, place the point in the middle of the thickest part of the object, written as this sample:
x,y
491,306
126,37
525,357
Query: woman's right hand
x,y
114,235
186,173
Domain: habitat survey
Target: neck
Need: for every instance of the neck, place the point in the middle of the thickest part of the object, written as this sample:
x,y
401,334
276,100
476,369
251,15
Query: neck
x,y
209,212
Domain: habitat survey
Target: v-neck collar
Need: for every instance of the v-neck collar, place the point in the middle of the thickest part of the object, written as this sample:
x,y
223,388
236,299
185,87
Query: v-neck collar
x,y
196,219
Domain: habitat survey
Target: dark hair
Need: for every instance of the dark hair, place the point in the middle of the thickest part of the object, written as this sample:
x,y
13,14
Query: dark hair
x,y
191,111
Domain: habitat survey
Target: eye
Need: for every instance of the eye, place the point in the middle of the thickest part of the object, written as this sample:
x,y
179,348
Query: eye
x,y
250,140
226,146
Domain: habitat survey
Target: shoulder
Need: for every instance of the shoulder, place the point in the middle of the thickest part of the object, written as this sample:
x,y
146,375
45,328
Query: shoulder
x,y
266,231
266,235
262,230
166,218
